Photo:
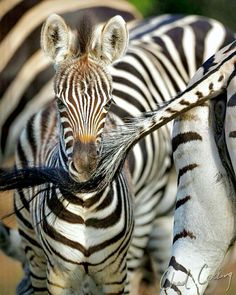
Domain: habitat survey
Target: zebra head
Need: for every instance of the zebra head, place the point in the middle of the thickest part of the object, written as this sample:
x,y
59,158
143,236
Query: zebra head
x,y
83,85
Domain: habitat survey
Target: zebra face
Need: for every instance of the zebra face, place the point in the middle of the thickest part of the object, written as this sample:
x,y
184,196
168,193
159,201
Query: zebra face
x,y
84,94
82,85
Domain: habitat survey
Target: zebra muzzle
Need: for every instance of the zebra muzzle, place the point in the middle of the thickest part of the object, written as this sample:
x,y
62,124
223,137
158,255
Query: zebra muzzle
x,y
84,160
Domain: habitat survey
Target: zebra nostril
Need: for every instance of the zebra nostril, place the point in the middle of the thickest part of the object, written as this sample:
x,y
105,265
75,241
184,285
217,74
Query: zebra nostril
x,y
98,150
72,165
98,145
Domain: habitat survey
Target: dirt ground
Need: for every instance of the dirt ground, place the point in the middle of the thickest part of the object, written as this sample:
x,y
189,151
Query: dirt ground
x,y
11,273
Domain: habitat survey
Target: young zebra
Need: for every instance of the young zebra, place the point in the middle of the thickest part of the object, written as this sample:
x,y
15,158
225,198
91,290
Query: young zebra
x,y
67,237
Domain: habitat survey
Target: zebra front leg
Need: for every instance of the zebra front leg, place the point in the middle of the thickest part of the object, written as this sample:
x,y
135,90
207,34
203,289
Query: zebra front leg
x,y
160,238
156,257
25,287
114,278
230,121
204,217
64,278
10,243
33,255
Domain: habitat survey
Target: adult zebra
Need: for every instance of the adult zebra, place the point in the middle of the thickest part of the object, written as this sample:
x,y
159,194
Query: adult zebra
x,y
151,46
204,228
205,208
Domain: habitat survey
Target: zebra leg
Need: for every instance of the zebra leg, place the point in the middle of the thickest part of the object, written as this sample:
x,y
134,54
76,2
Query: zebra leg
x,y
89,287
114,278
35,262
60,280
160,240
10,243
156,256
204,217
144,218
34,280
154,259
230,122
159,245
25,286
151,225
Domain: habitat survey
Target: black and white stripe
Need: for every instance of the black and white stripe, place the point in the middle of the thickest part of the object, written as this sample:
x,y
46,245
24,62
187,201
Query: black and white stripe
x,y
204,156
149,85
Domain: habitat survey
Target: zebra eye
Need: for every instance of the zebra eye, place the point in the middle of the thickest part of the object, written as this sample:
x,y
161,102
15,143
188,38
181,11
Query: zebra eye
x,y
108,104
60,104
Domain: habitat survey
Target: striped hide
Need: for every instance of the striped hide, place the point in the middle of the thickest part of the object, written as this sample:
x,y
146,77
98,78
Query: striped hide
x,y
143,87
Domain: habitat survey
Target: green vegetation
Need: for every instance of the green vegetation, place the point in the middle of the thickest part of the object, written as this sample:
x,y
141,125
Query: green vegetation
x,y
222,10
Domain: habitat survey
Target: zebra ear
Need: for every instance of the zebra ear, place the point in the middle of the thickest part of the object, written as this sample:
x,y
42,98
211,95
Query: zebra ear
x,y
113,40
55,38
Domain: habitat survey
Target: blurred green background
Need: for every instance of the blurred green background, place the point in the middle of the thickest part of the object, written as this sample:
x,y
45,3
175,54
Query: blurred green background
x,y
222,10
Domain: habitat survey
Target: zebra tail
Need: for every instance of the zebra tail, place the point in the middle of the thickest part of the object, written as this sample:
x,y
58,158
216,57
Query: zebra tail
x,y
28,177
24,178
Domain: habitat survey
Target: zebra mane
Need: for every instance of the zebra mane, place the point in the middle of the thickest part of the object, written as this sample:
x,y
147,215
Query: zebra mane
x,y
210,80
85,30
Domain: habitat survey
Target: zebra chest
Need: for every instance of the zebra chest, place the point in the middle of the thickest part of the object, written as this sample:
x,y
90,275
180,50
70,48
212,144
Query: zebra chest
x,y
82,237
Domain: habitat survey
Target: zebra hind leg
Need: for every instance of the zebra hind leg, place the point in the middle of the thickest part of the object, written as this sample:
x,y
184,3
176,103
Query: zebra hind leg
x,y
159,246
156,255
